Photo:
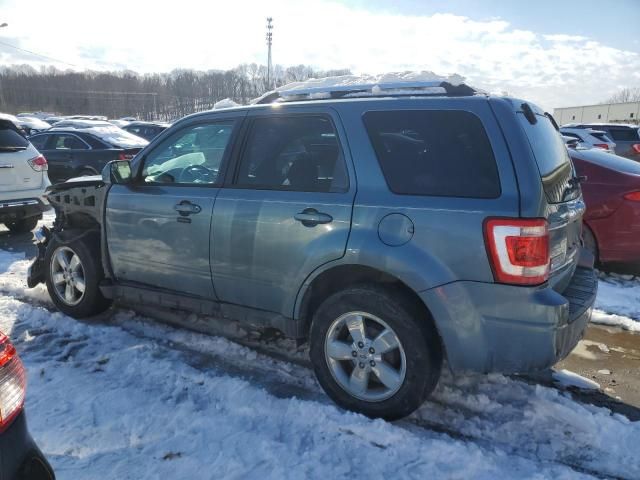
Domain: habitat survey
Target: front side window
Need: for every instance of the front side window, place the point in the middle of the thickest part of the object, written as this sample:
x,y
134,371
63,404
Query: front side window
x,y
299,153
39,141
434,152
69,142
192,155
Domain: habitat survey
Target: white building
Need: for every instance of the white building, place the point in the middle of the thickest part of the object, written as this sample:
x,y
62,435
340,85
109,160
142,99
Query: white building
x,y
627,112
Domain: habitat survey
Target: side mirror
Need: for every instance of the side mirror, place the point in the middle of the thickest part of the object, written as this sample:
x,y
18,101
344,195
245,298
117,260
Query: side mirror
x,y
117,172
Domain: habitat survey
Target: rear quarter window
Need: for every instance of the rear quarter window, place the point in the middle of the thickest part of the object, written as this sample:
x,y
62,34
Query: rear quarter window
x,y
548,148
434,153
9,138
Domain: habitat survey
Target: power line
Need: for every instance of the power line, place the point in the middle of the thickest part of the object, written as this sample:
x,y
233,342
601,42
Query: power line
x,y
38,55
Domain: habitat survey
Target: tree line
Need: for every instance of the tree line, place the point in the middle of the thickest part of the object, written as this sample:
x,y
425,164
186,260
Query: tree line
x,y
153,96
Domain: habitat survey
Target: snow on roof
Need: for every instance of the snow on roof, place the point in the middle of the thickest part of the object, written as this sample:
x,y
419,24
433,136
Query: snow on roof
x,y
225,103
393,83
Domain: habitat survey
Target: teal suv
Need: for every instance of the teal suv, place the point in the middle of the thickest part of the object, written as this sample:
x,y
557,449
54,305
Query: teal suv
x,y
392,226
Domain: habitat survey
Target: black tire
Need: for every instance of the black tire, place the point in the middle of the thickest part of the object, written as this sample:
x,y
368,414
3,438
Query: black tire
x,y
87,248
589,241
24,225
413,328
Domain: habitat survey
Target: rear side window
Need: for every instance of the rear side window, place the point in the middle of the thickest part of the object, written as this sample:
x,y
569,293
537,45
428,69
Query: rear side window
x,y
39,141
547,145
94,142
299,153
624,134
430,152
9,138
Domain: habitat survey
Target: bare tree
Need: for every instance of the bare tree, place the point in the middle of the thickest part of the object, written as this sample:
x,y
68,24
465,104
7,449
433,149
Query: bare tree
x,y
625,95
157,96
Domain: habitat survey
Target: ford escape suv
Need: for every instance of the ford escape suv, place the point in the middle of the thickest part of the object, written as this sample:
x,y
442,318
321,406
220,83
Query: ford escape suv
x,y
23,180
390,230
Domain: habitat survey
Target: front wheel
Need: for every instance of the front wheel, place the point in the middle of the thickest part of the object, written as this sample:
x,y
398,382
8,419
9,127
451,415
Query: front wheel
x,y
374,352
73,273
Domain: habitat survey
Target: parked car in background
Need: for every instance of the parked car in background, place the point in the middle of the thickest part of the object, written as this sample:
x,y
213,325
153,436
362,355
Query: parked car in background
x,y
53,120
146,130
626,137
590,138
32,125
391,233
83,148
612,221
20,457
87,117
23,180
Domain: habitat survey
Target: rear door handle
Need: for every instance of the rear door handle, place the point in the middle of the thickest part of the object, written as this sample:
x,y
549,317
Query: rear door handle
x,y
186,208
310,217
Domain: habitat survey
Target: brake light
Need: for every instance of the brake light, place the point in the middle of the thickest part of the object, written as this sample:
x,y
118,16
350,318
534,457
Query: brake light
x,y
633,196
39,163
636,147
604,146
125,156
518,250
12,383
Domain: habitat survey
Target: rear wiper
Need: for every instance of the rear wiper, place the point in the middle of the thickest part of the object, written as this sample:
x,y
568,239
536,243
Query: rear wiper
x,y
12,149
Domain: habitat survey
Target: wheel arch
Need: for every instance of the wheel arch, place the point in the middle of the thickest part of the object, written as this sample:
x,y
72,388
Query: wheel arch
x,y
340,277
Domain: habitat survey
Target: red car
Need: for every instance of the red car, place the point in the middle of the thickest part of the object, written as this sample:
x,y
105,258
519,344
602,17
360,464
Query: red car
x,y
612,221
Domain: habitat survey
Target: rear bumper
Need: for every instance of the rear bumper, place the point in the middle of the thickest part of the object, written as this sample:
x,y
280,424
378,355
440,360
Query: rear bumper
x,y
13,210
20,458
509,329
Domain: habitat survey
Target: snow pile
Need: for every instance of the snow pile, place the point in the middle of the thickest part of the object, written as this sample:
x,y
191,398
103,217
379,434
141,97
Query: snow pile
x,y
225,103
392,82
618,302
104,403
568,379
134,399
346,81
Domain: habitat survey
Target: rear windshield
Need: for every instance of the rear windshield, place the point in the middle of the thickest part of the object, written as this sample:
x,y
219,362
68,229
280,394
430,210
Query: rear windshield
x,y
430,152
9,139
624,134
547,145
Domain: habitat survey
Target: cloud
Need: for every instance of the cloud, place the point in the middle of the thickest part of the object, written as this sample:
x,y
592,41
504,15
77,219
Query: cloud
x,y
553,70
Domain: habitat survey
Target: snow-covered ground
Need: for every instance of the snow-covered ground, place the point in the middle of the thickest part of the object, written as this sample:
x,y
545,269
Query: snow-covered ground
x,y
126,397
618,302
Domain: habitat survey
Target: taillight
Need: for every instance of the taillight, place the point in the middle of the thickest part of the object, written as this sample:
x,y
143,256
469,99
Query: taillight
x,y
518,250
636,147
12,383
633,196
601,145
125,156
39,163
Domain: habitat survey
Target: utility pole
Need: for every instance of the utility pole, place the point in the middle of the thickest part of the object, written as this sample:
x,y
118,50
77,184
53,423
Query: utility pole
x,y
269,42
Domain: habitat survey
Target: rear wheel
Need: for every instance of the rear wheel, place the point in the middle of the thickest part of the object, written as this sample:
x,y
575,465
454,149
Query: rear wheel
x,y
73,273
23,226
374,352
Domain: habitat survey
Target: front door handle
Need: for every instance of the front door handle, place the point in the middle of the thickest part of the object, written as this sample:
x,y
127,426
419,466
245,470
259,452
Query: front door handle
x,y
186,208
310,217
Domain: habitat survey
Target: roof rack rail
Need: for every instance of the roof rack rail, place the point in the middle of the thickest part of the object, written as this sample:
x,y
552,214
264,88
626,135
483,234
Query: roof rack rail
x,y
384,89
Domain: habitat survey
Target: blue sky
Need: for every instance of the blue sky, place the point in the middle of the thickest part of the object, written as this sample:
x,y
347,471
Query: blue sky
x,y
555,53
612,22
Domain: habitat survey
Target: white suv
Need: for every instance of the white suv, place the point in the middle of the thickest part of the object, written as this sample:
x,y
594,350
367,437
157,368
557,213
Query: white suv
x,y
589,138
23,180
